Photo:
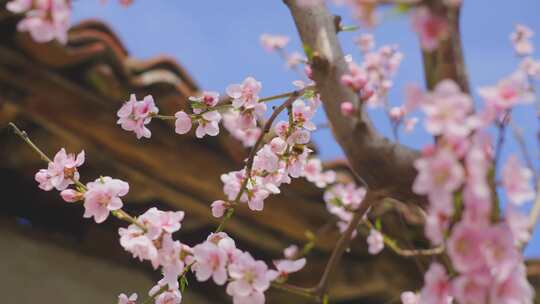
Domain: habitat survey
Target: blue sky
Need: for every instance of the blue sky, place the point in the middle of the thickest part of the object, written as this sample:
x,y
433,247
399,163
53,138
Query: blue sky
x,y
218,43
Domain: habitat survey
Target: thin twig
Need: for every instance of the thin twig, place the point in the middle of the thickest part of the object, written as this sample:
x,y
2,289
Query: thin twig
x,y
392,244
525,153
227,102
343,243
501,137
120,214
249,164
24,136
304,292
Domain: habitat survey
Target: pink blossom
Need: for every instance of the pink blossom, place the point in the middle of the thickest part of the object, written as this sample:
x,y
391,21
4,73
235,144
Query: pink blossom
x,y
299,137
342,199
223,241
396,113
205,101
71,196
531,67
183,122
347,109
273,42
234,122
410,124
303,113
208,124
295,59
472,288
218,208
516,181
169,257
447,110
61,172
291,252
508,92
44,20
409,297
19,6
366,42
133,240
123,299
521,39
249,279
436,286
414,97
134,115
314,173
297,162
375,242
356,79
439,175
514,289
437,222
430,28
103,196
286,267
158,222
464,247
477,192
211,261
266,160
282,129
167,297
245,94
499,252
518,224
126,2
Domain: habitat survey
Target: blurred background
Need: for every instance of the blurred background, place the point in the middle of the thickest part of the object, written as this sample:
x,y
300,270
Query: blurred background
x,y
67,96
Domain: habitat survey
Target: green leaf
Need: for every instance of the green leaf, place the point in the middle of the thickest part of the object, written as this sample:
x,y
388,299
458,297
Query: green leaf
x,y
183,283
308,94
378,224
309,52
350,28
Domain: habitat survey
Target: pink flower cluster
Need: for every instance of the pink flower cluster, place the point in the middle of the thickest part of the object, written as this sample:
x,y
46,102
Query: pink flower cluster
x,y
430,28
241,122
248,279
61,172
375,242
100,197
207,118
135,114
275,163
155,243
373,78
273,42
45,20
103,196
521,40
483,252
342,200
216,258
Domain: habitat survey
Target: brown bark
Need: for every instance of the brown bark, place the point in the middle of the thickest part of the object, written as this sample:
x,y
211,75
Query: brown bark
x,y
385,166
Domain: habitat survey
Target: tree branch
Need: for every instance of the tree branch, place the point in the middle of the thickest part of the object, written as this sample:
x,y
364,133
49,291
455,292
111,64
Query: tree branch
x,y
447,61
383,165
343,243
